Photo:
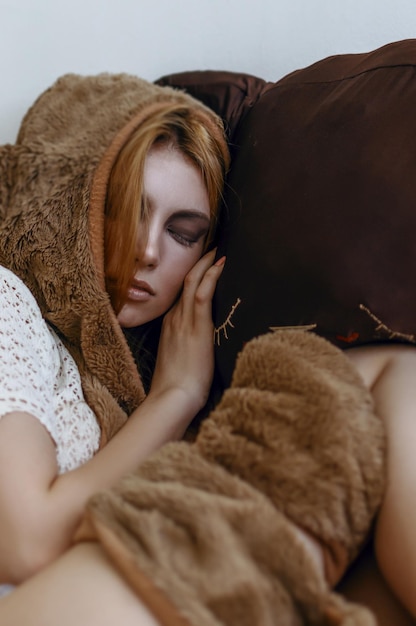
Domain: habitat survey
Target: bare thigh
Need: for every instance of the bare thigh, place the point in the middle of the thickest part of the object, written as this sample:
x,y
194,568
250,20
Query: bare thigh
x,y
364,584
82,587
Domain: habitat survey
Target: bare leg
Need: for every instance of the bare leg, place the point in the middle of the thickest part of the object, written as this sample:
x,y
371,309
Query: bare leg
x,y
395,539
395,543
81,587
365,584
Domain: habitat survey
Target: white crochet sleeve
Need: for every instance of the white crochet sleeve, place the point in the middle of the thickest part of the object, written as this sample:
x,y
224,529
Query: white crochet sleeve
x,y
38,376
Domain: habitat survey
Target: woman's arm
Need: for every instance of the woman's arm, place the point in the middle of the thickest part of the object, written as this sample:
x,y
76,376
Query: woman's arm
x,y
40,509
390,373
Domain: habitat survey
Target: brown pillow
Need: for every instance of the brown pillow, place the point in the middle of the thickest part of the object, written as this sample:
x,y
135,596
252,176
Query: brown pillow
x,y
321,200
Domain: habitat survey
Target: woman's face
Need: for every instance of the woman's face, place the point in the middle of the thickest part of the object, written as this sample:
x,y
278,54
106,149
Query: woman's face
x,y
179,219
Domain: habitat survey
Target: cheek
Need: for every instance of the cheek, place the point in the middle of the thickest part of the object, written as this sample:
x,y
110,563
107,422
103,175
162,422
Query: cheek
x,y
181,269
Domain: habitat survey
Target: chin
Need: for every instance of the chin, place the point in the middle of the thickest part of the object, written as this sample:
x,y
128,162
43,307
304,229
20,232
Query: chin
x,y
128,318
130,323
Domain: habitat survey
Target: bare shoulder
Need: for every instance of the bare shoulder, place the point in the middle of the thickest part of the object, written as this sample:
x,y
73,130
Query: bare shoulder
x,y
372,360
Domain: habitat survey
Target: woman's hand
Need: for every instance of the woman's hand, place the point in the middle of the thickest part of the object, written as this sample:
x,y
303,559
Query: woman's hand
x,y
40,509
185,359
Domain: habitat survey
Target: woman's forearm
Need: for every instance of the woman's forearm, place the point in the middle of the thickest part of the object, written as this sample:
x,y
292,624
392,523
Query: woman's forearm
x,y
42,519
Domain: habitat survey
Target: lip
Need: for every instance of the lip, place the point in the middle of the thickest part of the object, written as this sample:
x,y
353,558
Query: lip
x,y
140,291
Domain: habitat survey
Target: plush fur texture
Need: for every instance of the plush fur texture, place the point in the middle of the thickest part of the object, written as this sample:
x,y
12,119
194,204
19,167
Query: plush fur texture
x,y
205,531
53,185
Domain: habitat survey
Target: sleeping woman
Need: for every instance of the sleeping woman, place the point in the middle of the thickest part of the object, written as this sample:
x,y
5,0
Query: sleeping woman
x,y
108,223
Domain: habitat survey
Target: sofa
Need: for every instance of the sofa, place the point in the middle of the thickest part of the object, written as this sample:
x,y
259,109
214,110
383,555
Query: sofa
x,y
319,220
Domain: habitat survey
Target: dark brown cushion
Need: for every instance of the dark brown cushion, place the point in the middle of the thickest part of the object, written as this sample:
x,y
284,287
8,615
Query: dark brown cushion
x,y
321,200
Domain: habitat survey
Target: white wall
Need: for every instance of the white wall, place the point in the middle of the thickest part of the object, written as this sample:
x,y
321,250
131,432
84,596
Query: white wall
x,y
42,39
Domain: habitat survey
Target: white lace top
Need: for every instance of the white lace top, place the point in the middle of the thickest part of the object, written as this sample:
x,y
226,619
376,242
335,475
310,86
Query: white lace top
x,y
40,377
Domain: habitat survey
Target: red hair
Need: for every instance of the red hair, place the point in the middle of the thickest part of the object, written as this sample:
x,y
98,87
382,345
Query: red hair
x,y
185,128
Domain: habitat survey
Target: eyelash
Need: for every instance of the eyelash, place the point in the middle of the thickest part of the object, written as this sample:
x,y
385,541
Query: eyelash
x,y
183,241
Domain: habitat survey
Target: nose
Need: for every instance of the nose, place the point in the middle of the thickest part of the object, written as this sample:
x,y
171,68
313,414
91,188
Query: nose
x,y
148,247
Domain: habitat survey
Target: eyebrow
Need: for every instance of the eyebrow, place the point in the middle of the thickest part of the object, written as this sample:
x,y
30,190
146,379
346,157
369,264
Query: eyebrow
x,y
181,213
191,214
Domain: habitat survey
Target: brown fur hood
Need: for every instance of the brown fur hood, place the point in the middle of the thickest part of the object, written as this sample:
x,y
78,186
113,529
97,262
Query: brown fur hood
x,y
53,184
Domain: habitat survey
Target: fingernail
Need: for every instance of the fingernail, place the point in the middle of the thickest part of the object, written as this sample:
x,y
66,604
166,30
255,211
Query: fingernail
x,y
220,261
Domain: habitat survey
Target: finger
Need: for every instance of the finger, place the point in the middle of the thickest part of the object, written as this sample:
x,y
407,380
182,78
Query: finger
x,y
183,309
205,292
208,283
194,278
197,272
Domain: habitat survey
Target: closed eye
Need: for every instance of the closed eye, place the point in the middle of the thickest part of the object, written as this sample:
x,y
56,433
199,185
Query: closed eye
x,y
188,228
182,238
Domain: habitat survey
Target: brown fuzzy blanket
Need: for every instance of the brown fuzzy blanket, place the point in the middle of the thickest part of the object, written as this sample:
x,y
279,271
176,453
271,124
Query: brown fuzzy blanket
x,y
204,531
